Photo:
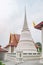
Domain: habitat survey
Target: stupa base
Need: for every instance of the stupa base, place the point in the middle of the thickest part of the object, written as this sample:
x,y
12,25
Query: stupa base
x,y
41,59
19,60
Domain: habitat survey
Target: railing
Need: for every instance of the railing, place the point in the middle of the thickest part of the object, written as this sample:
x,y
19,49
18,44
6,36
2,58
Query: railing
x,y
24,54
31,54
11,54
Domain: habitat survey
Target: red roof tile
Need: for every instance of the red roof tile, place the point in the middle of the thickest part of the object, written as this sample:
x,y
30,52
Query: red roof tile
x,y
39,26
2,50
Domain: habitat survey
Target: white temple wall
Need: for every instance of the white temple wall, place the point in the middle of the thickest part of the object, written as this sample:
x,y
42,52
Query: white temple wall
x,y
3,56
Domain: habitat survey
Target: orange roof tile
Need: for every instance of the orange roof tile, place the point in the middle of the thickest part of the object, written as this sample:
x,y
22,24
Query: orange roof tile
x,y
14,38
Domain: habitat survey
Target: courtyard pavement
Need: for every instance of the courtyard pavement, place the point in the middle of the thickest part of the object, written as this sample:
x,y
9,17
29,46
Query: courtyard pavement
x,y
30,62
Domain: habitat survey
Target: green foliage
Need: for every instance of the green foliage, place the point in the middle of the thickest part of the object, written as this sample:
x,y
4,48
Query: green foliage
x,y
1,63
39,48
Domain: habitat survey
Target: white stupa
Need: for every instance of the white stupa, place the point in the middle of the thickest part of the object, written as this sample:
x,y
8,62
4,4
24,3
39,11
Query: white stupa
x,y
26,46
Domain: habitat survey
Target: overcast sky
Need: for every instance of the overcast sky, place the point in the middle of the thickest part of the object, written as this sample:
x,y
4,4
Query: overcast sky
x,y
12,18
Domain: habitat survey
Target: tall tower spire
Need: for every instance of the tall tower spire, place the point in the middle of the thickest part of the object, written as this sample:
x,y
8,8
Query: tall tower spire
x,y
25,26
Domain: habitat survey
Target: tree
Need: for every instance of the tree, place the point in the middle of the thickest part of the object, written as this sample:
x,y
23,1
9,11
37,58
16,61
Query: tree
x,y
1,63
38,46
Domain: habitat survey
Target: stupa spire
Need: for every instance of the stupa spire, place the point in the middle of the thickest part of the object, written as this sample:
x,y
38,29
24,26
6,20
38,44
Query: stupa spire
x,y
25,26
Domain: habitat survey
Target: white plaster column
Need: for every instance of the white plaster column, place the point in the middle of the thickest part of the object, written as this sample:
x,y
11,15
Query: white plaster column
x,y
19,56
41,58
9,51
42,40
5,56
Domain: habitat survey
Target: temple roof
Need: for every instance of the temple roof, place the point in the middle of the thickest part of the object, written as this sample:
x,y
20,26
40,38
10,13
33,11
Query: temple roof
x,y
14,39
2,50
39,26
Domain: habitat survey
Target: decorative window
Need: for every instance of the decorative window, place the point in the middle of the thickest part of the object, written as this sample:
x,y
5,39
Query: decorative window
x,y
30,53
38,53
25,53
34,53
